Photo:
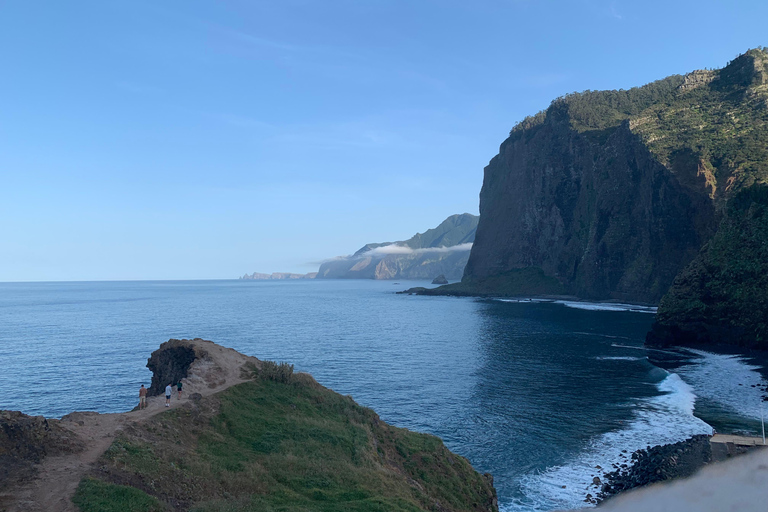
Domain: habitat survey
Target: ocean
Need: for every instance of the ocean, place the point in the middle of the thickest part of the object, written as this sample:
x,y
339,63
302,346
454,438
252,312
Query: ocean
x,y
538,393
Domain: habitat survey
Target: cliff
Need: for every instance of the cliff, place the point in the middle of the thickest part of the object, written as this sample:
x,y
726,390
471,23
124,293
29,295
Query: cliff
x,y
441,250
246,435
720,298
611,194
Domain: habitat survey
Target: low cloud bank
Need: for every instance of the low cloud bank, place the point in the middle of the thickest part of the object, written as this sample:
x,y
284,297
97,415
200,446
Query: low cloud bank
x,y
401,249
386,250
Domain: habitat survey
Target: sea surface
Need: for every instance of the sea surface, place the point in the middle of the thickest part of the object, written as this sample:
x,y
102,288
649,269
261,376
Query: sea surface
x,y
537,393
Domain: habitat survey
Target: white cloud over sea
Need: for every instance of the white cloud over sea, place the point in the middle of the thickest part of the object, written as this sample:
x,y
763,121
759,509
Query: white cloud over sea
x,y
402,249
380,252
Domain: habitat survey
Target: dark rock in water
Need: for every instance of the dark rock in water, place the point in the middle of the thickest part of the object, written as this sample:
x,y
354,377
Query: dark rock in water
x,y
440,280
170,363
657,464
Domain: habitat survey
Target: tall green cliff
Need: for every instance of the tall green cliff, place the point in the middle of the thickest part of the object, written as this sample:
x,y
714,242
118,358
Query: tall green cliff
x,y
611,194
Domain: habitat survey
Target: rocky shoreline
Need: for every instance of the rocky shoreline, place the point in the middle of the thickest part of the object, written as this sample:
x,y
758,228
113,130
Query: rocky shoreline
x,y
654,464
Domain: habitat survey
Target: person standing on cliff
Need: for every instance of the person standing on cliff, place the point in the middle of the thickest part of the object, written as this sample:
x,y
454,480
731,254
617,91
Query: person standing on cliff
x,y
168,391
142,397
178,386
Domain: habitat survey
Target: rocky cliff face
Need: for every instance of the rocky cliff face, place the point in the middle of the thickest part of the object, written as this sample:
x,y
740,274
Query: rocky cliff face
x,y
609,195
441,250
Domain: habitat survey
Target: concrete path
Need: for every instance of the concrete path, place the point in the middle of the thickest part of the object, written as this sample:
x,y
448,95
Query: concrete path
x,y
737,440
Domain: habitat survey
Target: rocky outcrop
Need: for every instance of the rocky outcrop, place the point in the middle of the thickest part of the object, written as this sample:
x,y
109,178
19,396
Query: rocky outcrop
x,y
441,250
201,364
26,440
440,280
170,364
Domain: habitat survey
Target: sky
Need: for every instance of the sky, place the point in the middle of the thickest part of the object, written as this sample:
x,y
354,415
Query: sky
x,y
203,140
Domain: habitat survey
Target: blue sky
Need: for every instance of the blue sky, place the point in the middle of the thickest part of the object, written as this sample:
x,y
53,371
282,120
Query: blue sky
x,y
189,139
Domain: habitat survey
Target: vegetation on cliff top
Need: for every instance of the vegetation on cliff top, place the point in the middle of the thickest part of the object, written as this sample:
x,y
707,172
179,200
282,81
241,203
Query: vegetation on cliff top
x,y
281,443
716,118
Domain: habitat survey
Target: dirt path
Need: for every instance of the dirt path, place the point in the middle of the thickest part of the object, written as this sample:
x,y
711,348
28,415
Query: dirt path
x,y
59,476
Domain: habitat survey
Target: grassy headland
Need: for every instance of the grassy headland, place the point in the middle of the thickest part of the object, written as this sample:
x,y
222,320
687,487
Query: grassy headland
x,y
281,442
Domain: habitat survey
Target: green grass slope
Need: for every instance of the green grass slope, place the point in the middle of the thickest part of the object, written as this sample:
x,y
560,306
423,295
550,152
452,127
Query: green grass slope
x,y
280,443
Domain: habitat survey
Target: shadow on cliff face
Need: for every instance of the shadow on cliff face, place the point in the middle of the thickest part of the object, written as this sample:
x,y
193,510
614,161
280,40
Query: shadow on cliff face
x,y
169,364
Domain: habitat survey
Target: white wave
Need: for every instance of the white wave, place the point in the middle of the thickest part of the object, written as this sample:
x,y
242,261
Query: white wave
x,y
619,358
728,381
607,306
664,419
525,300
646,349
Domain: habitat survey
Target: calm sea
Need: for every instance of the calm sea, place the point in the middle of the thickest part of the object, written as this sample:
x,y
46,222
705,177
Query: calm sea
x,y
537,393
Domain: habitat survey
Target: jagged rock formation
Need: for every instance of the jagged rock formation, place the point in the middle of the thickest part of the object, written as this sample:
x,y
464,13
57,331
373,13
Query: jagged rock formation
x,y
202,364
170,363
609,195
441,250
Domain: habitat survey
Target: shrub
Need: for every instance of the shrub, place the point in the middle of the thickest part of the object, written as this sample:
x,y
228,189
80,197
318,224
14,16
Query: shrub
x,y
270,370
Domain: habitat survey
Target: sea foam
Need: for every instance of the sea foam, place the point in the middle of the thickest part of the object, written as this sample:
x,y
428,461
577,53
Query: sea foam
x,y
664,419
604,306
728,381
589,306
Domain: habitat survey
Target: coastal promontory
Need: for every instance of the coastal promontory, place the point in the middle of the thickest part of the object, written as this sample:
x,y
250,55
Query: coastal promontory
x,y
246,435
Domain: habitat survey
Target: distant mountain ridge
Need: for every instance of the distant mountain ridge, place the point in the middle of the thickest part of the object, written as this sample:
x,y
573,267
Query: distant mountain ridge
x,y
441,250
